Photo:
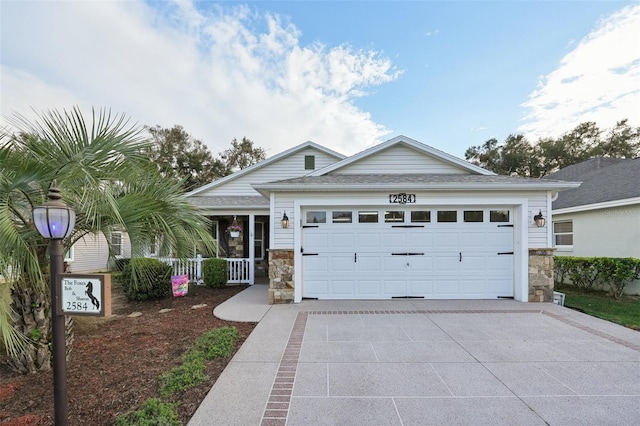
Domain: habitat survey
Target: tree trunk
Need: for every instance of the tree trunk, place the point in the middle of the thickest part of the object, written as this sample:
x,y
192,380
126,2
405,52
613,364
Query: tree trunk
x,y
31,317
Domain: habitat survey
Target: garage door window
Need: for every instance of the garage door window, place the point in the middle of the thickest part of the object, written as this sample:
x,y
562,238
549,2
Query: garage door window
x,y
342,217
473,216
316,217
447,216
368,217
420,216
394,216
499,216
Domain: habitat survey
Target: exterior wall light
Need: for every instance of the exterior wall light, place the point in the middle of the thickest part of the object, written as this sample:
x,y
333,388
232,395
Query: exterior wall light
x,y
285,220
539,220
55,221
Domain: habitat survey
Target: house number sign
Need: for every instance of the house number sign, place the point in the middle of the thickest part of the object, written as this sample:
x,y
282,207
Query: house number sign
x,y
84,294
402,198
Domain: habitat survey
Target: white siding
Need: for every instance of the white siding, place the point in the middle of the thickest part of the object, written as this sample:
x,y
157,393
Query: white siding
x,y
286,168
283,238
400,159
539,237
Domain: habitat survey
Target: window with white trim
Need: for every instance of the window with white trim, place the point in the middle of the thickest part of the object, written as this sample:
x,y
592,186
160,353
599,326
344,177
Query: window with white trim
x,y
116,243
563,233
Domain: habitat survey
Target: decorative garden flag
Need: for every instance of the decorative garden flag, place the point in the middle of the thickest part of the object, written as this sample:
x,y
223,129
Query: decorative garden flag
x,y
180,285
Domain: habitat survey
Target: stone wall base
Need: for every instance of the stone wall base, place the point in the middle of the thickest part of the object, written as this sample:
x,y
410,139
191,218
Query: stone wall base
x,y
541,275
281,276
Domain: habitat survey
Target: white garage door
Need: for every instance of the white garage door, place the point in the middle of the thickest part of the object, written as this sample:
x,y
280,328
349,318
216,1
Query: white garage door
x,y
443,253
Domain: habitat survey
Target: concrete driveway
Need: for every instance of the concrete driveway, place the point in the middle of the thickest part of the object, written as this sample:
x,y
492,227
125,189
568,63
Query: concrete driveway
x,y
417,362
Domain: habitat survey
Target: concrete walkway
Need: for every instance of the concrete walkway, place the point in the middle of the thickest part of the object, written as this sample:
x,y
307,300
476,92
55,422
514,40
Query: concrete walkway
x,y
249,305
421,362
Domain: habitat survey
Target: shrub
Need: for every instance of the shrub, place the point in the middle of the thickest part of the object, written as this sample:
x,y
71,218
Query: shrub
x,y
152,413
587,272
617,273
144,279
214,272
560,266
583,273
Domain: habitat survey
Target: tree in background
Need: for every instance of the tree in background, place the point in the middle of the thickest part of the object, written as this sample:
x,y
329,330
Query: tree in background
x,y
519,157
182,158
242,155
104,174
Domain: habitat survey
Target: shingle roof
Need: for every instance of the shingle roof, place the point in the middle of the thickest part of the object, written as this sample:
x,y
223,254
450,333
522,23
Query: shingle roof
x,y
603,179
407,178
381,181
229,201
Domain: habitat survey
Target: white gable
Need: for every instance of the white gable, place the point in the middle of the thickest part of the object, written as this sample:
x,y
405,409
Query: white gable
x,y
286,167
400,159
402,155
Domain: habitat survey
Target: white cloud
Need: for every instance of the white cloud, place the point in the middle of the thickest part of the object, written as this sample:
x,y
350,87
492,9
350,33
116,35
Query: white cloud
x,y
598,81
221,73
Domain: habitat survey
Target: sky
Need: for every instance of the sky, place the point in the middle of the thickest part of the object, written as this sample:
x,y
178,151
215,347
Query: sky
x,y
344,74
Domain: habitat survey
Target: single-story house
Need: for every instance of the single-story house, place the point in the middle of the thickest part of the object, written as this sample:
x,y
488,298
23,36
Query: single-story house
x,y
398,220
602,216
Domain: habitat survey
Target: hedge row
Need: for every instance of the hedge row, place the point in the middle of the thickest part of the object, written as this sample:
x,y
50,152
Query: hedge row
x,y
590,272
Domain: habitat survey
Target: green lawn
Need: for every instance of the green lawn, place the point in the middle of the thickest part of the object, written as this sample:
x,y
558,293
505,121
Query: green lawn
x,y
625,311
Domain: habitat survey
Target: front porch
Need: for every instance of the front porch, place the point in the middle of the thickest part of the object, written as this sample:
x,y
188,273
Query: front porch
x,y
245,251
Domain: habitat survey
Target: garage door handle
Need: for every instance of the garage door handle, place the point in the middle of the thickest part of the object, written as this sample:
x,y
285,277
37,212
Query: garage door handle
x,y
355,257
505,252
399,254
310,254
415,254
460,259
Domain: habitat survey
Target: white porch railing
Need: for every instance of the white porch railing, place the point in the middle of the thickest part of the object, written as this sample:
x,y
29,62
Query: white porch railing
x,y
191,267
237,269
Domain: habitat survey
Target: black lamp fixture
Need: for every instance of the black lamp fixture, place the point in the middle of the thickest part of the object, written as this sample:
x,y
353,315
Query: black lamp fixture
x,y
539,220
285,220
55,221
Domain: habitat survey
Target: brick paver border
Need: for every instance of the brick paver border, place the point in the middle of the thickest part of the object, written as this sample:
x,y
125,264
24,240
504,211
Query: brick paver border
x,y
277,409
588,329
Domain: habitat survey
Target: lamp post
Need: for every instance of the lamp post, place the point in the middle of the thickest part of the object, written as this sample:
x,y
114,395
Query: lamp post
x,y
55,221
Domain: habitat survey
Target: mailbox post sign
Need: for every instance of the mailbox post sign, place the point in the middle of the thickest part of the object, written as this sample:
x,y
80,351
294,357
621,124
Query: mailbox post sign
x,y
85,294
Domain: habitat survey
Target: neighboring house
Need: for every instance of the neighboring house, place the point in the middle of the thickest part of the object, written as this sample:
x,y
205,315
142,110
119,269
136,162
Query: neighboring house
x,y
400,219
91,253
602,216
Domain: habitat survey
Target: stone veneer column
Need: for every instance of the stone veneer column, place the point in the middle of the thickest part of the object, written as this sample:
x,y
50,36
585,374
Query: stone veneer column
x,y
280,276
541,275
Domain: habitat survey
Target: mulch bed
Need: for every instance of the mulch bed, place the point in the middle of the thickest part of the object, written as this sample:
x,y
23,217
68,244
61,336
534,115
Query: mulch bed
x,y
116,362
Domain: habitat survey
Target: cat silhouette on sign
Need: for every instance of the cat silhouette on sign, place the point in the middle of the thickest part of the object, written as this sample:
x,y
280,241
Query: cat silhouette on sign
x,y
89,292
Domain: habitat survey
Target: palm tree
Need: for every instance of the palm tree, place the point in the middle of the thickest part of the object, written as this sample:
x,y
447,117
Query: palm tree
x,y
103,174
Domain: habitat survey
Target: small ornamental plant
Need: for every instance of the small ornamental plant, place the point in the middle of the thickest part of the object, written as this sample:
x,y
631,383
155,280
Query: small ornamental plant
x,y
234,228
